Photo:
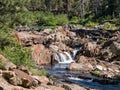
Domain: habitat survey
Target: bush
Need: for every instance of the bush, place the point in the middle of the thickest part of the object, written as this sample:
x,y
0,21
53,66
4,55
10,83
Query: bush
x,y
108,26
62,19
18,55
41,72
91,24
74,20
13,51
47,19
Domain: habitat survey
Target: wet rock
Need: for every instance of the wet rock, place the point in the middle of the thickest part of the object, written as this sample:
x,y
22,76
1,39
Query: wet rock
x,y
41,55
81,67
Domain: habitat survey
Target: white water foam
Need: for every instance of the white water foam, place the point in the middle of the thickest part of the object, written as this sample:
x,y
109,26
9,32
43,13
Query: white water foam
x,y
79,79
65,57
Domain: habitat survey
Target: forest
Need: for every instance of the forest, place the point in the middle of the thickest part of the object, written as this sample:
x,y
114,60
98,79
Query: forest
x,y
58,12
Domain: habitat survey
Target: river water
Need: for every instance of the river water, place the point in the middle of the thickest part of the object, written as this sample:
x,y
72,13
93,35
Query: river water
x,y
59,70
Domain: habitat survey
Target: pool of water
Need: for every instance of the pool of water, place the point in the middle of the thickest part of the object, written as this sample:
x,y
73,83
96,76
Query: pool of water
x,y
67,76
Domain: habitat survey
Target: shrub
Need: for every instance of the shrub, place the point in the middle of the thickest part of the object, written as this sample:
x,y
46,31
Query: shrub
x,y
50,20
108,26
62,19
39,72
47,19
91,24
74,20
18,55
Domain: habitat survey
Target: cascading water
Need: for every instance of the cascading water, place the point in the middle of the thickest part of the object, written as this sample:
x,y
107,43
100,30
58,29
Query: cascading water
x,y
65,57
75,52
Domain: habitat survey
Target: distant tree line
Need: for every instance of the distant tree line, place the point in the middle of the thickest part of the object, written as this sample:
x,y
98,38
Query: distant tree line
x,y
91,9
71,7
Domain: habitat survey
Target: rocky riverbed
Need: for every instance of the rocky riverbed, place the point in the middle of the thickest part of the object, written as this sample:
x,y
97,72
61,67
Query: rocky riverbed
x,y
97,54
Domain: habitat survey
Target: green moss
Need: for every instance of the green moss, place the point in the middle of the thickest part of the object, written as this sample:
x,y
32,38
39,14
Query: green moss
x,y
97,73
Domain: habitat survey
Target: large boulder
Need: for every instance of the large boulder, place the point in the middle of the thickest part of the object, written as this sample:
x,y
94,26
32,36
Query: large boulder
x,y
115,48
41,55
86,67
18,77
90,49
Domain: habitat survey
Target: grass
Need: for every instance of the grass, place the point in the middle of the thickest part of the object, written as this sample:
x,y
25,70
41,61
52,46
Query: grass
x,y
41,72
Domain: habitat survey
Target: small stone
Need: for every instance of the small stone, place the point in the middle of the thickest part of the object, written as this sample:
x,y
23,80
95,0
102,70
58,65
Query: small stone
x,y
99,67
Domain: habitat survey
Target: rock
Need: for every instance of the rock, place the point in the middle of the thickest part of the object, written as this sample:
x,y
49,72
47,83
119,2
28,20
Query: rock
x,y
82,59
59,37
18,77
41,55
24,69
28,39
99,67
81,67
90,49
49,87
59,46
42,79
105,54
115,48
54,47
73,87
4,85
5,64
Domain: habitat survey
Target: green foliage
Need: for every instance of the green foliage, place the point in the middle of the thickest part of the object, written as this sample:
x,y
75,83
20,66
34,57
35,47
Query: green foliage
x,y
62,19
97,72
117,21
109,26
2,64
74,20
18,56
48,19
101,19
14,52
41,72
91,24
4,42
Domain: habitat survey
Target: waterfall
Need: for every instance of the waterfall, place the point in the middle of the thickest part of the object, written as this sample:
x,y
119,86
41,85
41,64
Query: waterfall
x,y
75,52
65,57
